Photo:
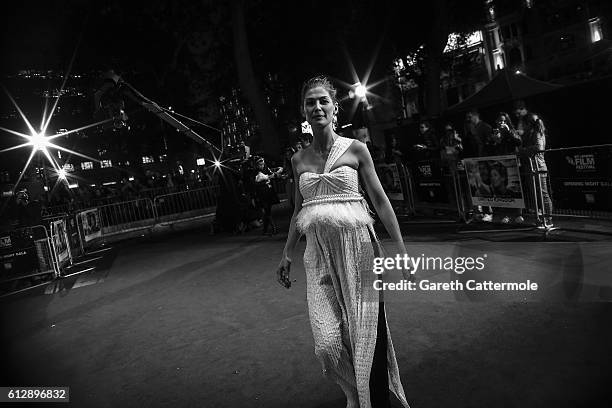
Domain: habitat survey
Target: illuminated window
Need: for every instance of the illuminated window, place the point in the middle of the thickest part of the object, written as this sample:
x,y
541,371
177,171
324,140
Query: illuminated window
x,y
106,163
68,167
200,162
595,28
162,158
499,59
86,165
147,159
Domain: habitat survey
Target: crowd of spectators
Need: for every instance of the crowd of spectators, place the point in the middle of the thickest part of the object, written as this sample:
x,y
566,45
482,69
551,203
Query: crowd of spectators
x,y
524,136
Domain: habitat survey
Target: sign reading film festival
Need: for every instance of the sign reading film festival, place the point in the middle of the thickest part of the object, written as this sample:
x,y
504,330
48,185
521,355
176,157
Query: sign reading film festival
x,y
495,181
90,220
581,178
428,182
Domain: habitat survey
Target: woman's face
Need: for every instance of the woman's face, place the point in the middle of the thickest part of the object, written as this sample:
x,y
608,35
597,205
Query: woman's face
x,y
501,120
319,107
260,165
497,180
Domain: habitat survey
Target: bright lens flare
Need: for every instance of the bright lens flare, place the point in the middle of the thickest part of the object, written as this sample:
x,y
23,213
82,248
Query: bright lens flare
x,y
360,91
61,173
39,141
217,163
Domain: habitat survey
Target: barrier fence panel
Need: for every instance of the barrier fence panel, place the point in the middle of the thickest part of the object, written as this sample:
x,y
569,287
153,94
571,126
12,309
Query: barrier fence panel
x,y
26,254
581,180
126,216
186,204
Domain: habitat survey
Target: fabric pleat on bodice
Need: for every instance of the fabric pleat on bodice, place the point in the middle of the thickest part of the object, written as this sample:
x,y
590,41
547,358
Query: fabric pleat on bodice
x,y
332,198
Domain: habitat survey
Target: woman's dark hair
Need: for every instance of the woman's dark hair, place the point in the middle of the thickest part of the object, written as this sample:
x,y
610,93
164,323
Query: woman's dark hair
x,y
506,118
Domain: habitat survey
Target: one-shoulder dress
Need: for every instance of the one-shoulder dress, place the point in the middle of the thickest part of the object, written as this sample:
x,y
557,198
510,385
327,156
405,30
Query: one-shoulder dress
x,y
343,305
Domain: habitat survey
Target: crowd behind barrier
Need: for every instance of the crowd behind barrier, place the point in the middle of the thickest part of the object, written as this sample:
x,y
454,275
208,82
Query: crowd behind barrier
x,y
54,237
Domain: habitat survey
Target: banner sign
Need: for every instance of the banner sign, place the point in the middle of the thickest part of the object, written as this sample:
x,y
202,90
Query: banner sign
x,y
428,182
581,179
90,220
495,181
390,179
17,254
58,230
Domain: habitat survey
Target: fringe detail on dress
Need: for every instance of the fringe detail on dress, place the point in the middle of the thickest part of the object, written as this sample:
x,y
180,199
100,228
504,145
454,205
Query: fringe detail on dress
x,y
347,214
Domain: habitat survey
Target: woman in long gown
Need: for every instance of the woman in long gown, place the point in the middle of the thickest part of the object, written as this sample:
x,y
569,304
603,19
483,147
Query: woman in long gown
x,y
351,337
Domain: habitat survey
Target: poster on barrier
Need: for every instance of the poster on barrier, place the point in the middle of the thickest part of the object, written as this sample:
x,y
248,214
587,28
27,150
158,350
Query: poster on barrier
x,y
58,230
390,179
428,182
581,179
495,181
90,220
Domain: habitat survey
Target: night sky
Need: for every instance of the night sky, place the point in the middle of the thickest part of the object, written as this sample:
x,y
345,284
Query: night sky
x,y
298,38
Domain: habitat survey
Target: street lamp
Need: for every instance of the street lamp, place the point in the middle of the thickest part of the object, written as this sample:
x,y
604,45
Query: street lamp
x,y
360,90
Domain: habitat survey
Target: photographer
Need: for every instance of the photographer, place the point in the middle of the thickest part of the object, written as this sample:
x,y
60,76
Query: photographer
x,y
266,196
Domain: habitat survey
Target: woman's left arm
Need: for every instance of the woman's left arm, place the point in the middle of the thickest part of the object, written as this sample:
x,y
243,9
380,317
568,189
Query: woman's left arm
x,y
377,195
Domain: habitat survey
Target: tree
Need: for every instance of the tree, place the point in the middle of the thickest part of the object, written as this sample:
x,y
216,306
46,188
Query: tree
x,y
427,45
249,83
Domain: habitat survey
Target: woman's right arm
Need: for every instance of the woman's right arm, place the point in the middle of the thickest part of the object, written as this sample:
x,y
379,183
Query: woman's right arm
x,y
284,266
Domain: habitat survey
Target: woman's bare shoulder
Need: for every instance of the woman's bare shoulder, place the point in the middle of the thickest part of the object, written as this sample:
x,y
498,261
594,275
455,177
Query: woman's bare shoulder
x,y
298,157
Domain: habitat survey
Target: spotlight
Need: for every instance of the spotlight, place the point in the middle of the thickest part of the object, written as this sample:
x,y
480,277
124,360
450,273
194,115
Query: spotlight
x,y
360,90
39,141
61,173
217,163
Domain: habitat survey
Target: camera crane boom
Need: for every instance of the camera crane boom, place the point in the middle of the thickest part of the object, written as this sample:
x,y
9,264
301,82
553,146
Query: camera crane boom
x,y
108,97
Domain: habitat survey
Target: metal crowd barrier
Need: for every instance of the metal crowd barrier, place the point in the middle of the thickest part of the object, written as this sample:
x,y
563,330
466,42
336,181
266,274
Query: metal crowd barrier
x,y
185,204
430,186
27,254
126,216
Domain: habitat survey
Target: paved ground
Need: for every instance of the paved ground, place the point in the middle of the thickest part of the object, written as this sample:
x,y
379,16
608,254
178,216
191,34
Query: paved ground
x,y
185,319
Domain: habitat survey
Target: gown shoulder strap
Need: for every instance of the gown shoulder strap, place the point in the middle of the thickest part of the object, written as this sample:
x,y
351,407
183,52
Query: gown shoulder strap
x,y
340,146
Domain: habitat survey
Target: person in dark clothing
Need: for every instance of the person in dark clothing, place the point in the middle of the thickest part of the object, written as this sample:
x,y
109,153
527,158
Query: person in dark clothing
x,y
504,138
505,141
477,132
429,144
533,134
266,196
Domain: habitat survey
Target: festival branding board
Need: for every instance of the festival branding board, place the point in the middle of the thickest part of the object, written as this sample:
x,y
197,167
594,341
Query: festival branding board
x,y
90,220
58,230
390,179
495,181
428,182
581,179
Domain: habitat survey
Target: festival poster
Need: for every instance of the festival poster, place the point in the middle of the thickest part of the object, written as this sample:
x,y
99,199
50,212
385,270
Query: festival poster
x,y
495,181
58,230
429,188
90,220
390,179
581,179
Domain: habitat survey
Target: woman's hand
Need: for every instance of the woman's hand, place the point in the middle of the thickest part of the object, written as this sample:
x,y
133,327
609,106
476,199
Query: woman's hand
x,y
282,273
